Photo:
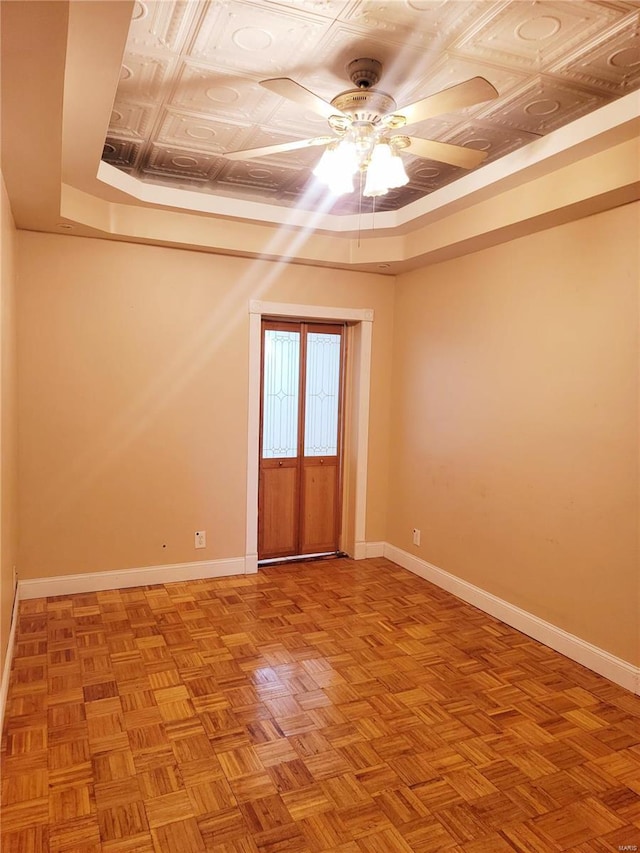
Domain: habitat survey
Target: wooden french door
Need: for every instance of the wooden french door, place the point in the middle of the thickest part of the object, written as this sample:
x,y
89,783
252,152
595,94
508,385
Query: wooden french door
x,y
300,438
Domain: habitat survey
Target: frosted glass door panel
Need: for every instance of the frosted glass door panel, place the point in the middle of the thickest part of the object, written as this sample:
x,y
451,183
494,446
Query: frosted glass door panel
x,y
281,394
322,394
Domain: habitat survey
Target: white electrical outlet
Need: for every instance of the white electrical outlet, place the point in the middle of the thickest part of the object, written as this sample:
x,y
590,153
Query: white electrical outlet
x,y
201,538
416,536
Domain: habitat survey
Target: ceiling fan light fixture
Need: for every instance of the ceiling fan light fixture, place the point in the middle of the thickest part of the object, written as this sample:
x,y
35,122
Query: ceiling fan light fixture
x,y
376,182
337,167
341,185
322,170
385,171
397,173
363,121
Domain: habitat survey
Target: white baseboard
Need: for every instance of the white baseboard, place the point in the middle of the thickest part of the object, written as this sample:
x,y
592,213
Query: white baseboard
x,y
6,669
360,551
375,549
364,550
615,669
124,578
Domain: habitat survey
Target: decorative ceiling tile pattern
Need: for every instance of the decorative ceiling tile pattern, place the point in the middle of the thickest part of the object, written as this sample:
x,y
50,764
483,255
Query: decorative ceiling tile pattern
x,y
189,87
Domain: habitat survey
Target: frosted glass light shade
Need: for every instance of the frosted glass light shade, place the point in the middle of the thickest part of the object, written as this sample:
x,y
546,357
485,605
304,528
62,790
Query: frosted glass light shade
x,y
341,161
376,183
341,185
323,168
337,166
397,175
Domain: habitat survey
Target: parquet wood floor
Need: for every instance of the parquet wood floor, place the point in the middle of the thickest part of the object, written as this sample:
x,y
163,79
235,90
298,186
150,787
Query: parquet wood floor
x,y
336,706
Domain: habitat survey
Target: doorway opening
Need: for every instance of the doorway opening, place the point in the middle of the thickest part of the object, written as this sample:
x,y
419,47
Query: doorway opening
x,y
358,323
301,438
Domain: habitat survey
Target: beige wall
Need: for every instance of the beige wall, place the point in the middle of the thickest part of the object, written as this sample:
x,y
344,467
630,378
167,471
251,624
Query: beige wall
x,y
8,412
515,435
514,413
133,398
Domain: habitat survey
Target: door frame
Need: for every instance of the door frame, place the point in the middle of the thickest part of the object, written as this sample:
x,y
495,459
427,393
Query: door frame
x,y
353,543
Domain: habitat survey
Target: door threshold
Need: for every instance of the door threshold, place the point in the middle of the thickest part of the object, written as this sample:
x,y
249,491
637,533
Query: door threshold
x,y
301,558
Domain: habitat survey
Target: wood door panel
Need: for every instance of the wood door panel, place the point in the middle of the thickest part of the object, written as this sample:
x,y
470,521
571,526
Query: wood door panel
x,y
319,519
299,495
278,528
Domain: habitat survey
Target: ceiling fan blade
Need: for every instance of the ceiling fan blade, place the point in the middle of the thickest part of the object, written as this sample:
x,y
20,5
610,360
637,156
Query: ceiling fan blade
x,y
288,88
465,94
443,152
250,153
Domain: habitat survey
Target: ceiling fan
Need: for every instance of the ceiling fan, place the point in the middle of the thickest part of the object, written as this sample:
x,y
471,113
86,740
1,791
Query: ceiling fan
x,y
366,127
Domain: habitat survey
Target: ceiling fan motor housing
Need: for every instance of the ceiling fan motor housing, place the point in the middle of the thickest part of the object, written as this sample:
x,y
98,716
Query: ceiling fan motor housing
x,y
364,73
364,104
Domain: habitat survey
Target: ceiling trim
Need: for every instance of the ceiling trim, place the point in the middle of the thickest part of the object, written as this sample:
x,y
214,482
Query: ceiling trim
x,y
591,184
483,207
613,122
56,111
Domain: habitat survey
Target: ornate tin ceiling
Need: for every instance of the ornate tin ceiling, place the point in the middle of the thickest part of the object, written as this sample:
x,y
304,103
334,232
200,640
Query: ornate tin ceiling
x,y
189,87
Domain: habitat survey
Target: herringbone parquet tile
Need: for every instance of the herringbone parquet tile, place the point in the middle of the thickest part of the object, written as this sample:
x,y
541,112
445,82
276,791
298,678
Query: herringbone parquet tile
x,y
333,706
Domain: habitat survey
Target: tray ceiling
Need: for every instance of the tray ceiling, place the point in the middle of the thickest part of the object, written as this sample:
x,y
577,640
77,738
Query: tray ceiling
x,y
189,84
